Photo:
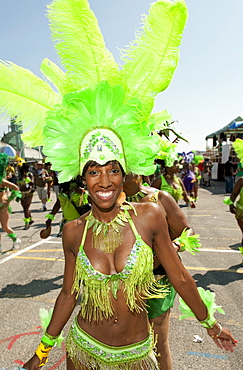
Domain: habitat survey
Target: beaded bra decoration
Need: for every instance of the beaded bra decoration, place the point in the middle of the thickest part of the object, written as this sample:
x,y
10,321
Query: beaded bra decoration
x,y
136,280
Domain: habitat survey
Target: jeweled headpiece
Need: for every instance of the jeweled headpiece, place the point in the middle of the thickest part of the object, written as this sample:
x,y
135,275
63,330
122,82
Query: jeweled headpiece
x,y
93,93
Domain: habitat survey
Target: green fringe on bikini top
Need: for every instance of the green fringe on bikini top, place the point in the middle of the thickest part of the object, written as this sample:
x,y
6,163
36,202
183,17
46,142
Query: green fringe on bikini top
x,y
136,280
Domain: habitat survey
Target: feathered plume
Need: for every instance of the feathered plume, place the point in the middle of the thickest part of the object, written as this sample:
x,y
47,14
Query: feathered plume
x,y
25,95
152,58
80,43
238,147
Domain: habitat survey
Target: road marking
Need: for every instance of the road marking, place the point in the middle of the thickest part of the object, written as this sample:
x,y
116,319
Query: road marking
x,y
53,242
13,255
217,228
213,269
218,250
45,250
39,258
208,355
211,238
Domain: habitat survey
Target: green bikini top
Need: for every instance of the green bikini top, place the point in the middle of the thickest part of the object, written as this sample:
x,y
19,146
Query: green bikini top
x,y
175,193
136,278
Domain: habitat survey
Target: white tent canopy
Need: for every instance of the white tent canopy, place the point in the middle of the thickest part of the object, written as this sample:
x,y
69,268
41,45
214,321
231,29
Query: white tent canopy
x,y
30,154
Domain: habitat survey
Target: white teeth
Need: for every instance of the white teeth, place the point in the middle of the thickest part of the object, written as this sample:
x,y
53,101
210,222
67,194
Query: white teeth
x,y
104,195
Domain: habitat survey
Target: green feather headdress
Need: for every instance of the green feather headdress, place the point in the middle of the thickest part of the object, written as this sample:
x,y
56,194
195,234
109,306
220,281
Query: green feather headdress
x,y
238,147
3,165
90,84
167,152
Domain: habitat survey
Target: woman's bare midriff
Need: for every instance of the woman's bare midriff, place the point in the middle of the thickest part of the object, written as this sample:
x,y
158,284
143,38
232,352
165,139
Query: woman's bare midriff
x,y
123,328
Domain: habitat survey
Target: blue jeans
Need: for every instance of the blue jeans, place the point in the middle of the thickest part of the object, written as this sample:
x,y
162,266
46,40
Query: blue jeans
x,y
229,183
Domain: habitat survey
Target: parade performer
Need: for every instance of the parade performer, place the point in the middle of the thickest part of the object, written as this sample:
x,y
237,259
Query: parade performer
x,y
93,131
73,200
195,162
237,209
26,186
5,208
168,181
159,308
188,176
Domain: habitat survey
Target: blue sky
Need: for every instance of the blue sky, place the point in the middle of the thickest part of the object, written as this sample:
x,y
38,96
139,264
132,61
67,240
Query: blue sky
x,y
205,93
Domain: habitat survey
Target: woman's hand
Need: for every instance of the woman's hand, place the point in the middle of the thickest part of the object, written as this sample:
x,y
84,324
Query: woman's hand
x,y
222,337
192,204
48,222
33,363
232,209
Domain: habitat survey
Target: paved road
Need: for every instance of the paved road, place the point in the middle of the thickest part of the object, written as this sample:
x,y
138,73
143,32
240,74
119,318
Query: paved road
x,y
31,278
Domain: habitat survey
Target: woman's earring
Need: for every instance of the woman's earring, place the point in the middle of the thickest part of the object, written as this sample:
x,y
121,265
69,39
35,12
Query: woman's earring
x,y
121,198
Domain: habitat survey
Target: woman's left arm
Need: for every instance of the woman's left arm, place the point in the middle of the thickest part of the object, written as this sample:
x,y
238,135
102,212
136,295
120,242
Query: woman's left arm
x,y
182,280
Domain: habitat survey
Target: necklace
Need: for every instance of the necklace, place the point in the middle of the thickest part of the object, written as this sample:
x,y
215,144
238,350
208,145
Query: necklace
x,y
136,197
108,236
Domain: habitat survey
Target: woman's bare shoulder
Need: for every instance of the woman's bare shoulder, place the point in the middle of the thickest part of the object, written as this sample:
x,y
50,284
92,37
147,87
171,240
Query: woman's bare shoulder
x,y
147,209
73,231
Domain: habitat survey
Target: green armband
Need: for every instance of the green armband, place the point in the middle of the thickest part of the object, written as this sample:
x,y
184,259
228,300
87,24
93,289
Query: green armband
x,y
208,299
190,243
50,216
47,339
228,201
209,322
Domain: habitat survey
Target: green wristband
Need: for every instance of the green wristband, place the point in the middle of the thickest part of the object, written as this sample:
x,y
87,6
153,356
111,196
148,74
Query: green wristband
x,y
209,322
46,340
50,216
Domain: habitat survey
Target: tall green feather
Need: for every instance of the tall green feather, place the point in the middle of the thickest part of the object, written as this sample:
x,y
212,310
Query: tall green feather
x,y
25,95
54,74
152,58
80,44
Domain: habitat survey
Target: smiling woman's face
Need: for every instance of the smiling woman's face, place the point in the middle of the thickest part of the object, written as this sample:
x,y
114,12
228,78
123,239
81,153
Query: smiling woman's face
x,y
104,184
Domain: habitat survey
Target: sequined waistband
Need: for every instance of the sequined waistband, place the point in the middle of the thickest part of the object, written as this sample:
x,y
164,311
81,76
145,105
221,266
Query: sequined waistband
x,y
104,353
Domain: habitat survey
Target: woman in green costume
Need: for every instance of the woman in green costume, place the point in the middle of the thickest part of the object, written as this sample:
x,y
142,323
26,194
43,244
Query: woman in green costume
x,y
237,209
168,181
92,130
26,186
73,201
5,209
115,267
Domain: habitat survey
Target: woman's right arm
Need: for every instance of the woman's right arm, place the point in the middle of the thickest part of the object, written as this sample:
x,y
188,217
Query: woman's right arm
x,y
66,300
